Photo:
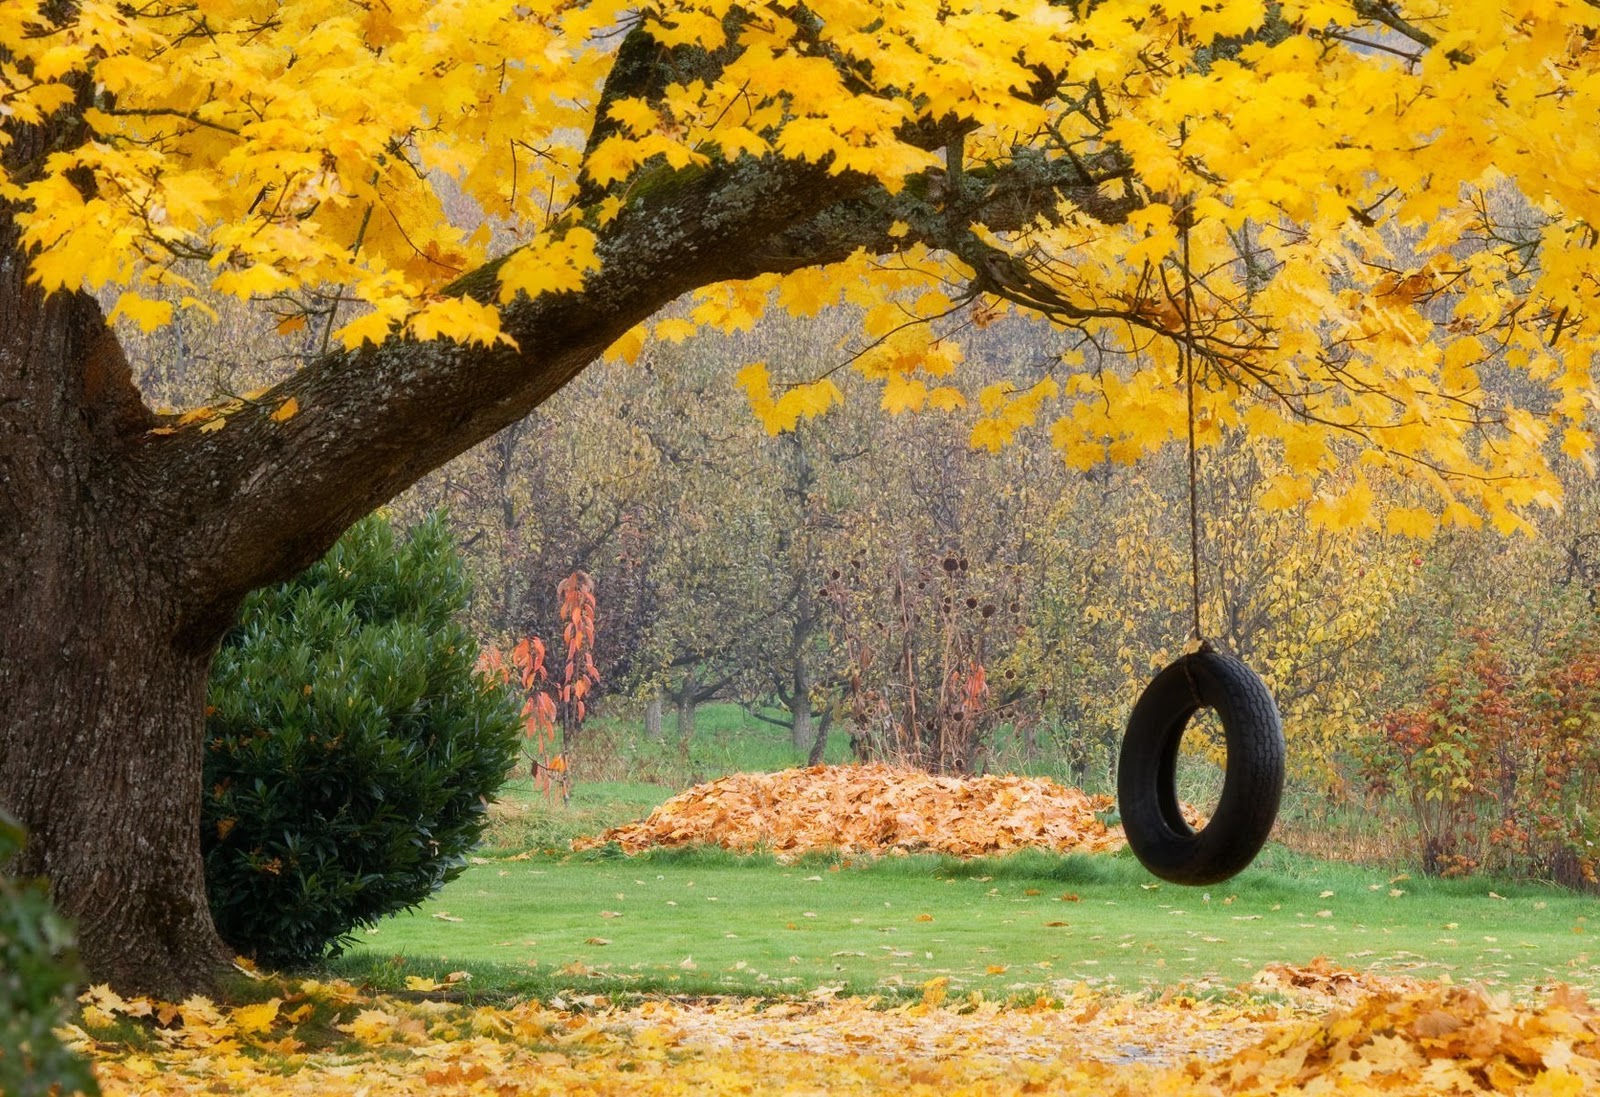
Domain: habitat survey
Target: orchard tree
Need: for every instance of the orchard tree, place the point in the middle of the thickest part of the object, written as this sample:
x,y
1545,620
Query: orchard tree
x,y
1217,185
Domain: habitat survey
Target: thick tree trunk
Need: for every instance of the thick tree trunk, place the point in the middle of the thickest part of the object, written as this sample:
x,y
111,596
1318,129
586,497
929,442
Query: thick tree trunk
x,y
102,675
112,798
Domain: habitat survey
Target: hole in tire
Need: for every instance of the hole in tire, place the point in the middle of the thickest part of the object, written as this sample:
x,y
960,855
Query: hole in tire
x,y
1200,766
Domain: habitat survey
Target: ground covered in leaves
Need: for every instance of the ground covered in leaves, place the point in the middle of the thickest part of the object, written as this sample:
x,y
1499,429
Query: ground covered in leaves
x,y
1295,1030
874,809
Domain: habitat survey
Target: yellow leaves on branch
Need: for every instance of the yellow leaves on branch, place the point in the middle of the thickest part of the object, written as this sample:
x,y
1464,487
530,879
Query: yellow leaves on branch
x,y
1349,240
556,266
804,400
874,809
308,150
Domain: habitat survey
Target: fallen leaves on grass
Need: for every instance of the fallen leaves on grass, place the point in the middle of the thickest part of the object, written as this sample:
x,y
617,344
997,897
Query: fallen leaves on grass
x,y
1442,1039
873,809
1431,1039
1323,979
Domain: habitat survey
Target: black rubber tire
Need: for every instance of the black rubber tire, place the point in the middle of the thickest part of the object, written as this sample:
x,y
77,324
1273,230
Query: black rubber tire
x,y
1147,790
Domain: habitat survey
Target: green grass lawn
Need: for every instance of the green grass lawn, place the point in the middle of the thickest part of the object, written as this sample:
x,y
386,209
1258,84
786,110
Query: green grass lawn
x,y
534,919
707,922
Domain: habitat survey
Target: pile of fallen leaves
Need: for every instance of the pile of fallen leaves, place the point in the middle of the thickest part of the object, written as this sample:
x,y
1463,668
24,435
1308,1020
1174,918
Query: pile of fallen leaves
x,y
333,1040
873,809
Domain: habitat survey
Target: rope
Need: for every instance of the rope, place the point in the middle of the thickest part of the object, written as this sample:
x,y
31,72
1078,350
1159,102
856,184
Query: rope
x,y
1186,357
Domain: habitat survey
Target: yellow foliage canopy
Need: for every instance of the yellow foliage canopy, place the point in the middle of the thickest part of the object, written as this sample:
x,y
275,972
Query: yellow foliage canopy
x,y
1343,218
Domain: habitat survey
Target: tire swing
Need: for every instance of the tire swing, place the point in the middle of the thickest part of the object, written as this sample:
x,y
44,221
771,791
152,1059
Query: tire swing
x,y
1147,770
1147,767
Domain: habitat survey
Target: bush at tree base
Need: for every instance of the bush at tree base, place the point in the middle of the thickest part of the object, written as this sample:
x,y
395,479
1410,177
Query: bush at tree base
x,y
38,968
350,746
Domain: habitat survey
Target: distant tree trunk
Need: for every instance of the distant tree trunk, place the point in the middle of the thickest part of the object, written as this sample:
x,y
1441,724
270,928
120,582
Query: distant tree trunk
x,y
819,745
652,717
688,701
802,734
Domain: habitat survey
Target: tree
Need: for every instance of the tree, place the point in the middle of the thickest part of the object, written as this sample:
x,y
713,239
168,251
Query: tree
x,y
1201,186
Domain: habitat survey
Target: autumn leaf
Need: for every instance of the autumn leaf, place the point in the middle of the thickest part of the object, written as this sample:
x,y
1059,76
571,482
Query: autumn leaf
x,y
371,1026
256,1018
148,314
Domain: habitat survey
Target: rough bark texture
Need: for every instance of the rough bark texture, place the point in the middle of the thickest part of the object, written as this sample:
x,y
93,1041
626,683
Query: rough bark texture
x,y
800,733
102,693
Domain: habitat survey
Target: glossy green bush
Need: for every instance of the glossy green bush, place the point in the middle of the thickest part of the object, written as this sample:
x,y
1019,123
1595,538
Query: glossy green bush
x,y
38,967
351,746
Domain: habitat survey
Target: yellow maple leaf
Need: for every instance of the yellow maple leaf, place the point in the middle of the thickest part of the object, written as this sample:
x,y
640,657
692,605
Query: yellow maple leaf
x,y
901,394
803,401
371,1026
286,410
459,319
674,330
257,1017
636,114
807,292
1410,522
629,346
256,280
550,265
374,327
148,314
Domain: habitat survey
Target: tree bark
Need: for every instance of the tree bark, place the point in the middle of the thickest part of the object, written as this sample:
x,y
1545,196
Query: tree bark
x,y
688,701
102,685
819,745
652,717
801,736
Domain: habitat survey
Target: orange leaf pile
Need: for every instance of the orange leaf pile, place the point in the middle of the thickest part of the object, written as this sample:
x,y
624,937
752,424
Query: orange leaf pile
x,y
873,809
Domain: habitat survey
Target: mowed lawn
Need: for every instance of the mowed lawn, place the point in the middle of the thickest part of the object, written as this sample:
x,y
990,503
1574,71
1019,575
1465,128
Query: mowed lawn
x,y
707,922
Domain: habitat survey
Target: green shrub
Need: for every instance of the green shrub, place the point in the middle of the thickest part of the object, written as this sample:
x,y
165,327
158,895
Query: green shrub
x,y
351,746
38,967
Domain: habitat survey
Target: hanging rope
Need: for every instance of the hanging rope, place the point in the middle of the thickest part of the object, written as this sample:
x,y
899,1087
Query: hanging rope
x,y
1186,359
